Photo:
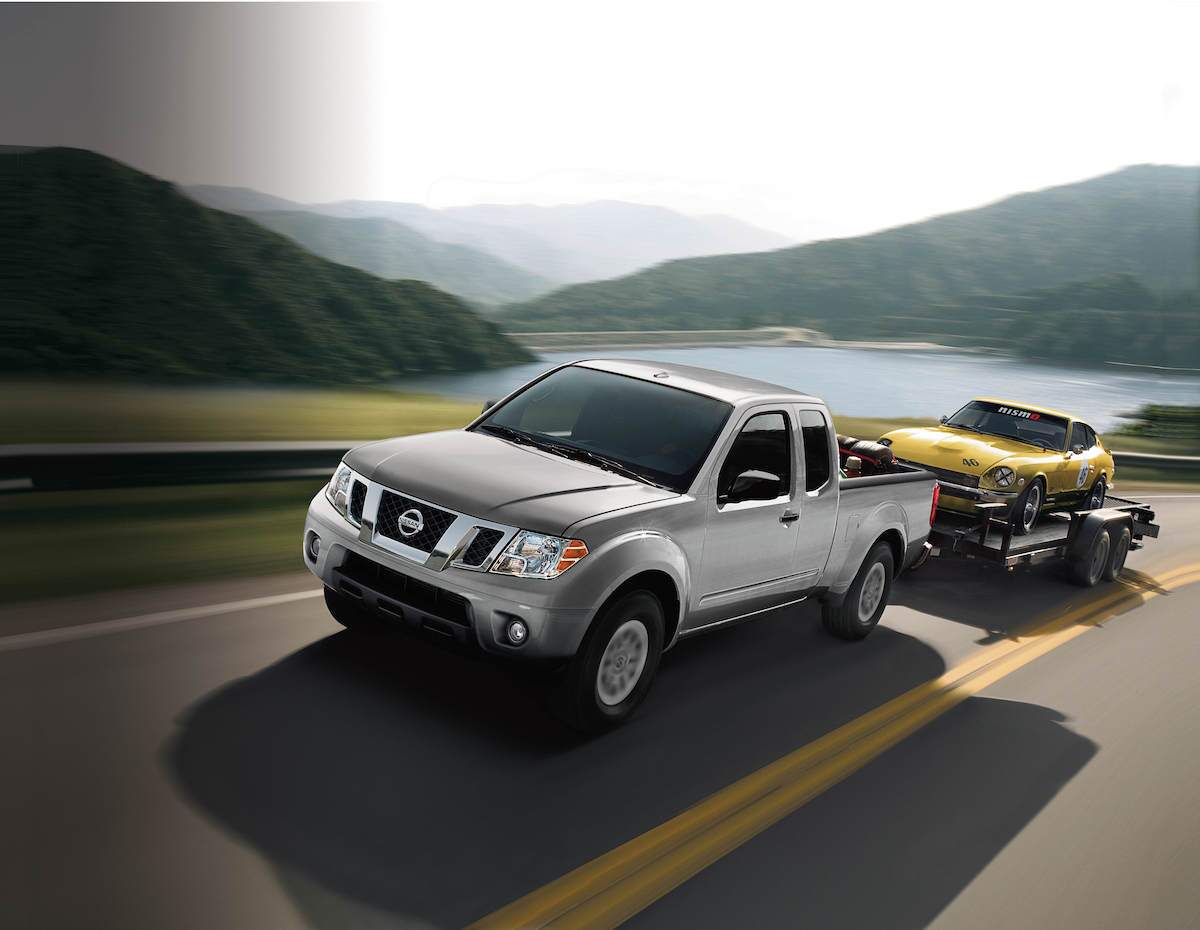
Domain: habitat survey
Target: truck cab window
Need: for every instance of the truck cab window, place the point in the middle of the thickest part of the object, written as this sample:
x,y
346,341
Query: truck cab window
x,y
815,433
759,463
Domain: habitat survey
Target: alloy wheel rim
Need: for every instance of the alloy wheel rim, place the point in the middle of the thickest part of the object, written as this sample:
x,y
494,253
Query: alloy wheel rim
x,y
1098,496
1032,504
1099,556
872,592
622,663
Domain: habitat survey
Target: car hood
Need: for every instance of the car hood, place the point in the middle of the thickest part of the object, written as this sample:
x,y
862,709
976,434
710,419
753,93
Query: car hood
x,y
953,449
492,478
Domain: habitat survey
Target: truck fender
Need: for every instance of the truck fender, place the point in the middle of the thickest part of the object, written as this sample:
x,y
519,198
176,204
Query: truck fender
x,y
887,517
623,557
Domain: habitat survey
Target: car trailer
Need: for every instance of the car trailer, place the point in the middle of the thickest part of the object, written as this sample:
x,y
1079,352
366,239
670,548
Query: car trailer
x,y
1094,543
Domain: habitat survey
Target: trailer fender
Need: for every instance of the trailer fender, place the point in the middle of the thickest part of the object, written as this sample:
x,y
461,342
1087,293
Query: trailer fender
x,y
1091,524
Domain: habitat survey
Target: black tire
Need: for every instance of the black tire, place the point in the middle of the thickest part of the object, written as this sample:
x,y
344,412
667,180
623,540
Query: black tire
x,y
1122,539
1024,514
348,613
1088,567
578,699
1095,497
853,617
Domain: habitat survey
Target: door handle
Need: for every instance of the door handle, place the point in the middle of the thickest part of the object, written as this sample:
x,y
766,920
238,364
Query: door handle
x,y
789,516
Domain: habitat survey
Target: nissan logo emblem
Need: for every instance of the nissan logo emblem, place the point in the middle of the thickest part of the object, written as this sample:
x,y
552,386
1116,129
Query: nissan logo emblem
x,y
410,522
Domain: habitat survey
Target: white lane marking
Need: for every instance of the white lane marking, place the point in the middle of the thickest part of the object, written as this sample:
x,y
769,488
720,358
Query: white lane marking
x,y
103,627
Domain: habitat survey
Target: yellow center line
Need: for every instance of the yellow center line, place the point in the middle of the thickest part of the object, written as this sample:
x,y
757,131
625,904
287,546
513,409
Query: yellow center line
x,y
613,887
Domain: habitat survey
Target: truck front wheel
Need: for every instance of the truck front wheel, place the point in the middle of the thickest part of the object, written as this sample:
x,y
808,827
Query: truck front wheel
x,y
610,675
863,604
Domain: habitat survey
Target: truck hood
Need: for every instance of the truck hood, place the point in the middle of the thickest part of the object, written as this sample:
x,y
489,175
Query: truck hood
x,y
489,477
953,449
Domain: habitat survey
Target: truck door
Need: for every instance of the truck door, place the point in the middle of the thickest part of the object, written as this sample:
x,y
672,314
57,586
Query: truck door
x,y
817,492
749,557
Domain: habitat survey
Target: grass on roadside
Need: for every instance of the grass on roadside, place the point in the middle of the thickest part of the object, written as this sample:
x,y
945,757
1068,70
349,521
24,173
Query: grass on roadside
x,y
77,412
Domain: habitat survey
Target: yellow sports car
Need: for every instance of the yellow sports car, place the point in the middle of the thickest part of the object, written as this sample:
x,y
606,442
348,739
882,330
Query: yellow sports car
x,y
1032,458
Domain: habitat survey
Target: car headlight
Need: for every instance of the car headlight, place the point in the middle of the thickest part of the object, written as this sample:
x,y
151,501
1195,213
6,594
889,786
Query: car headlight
x,y
1002,476
338,489
536,555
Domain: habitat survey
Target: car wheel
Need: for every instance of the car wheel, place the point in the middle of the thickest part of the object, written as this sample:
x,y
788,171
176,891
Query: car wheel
x,y
863,604
1025,511
1121,541
611,674
1090,566
1095,498
349,614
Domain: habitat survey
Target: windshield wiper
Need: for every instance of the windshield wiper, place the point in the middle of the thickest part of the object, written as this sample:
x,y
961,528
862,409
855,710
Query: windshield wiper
x,y
600,461
507,432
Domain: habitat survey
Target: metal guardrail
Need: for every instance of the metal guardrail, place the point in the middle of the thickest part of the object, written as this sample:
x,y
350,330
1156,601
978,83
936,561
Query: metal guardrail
x,y
62,466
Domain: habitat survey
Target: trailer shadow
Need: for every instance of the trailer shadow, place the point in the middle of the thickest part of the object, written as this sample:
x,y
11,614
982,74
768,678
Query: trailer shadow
x,y
895,843
408,782
978,594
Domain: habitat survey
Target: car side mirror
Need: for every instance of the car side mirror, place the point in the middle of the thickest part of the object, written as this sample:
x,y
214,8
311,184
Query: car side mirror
x,y
752,485
487,405
943,418
1077,449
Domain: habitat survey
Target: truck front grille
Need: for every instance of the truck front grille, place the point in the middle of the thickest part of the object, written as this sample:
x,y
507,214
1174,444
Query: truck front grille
x,y
435,521
944,474
481,546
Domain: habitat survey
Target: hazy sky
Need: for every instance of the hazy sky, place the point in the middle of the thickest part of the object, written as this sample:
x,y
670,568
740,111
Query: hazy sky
x,y
811,119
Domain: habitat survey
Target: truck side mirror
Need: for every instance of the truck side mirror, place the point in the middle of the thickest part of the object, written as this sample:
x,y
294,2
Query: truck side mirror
x,y
487,405
752,485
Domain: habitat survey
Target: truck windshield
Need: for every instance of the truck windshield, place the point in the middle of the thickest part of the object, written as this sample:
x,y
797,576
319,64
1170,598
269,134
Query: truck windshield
x,y
1028,426
654,432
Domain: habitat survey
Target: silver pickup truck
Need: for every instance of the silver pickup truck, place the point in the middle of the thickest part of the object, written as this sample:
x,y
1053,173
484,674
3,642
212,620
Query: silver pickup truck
x,y
606,510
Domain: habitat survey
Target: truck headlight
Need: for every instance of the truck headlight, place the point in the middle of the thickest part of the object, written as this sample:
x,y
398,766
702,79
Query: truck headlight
x,y
536,555
1002,476
338,489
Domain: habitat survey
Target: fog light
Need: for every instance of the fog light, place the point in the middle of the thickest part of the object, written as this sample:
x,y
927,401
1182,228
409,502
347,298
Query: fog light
x,y
314,546
517,632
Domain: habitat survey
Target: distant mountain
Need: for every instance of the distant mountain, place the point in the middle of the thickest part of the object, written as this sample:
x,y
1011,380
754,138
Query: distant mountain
x,y
391,250
1140,221
108,271
568,243
609,238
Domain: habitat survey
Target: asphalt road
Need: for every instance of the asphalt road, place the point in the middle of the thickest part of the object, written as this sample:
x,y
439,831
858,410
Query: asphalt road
x,y
256,767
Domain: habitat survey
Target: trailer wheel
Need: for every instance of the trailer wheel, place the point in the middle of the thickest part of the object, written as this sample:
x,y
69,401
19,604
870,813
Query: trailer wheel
x,y
1122,539
1089,566
860,609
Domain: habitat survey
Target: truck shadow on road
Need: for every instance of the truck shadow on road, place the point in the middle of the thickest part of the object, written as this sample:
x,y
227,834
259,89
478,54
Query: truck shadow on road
x,y
426,786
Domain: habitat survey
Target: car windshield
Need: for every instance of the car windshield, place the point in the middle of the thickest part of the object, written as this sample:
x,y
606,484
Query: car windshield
x,y
1036,429
644,429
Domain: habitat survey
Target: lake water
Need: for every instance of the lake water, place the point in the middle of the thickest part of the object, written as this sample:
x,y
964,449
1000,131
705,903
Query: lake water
x,y
885,383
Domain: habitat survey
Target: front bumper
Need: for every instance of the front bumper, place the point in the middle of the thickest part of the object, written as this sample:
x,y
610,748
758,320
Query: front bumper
x,y
474,608
962,498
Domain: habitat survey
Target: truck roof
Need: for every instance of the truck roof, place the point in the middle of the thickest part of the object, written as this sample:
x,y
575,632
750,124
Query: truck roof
x,y
732,389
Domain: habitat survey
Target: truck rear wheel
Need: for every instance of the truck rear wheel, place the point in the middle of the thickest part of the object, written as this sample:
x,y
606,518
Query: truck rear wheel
x,y
611,674
863,604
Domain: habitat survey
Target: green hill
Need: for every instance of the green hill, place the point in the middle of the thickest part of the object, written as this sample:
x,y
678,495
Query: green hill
x,y
1139,221
391,250
107,271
